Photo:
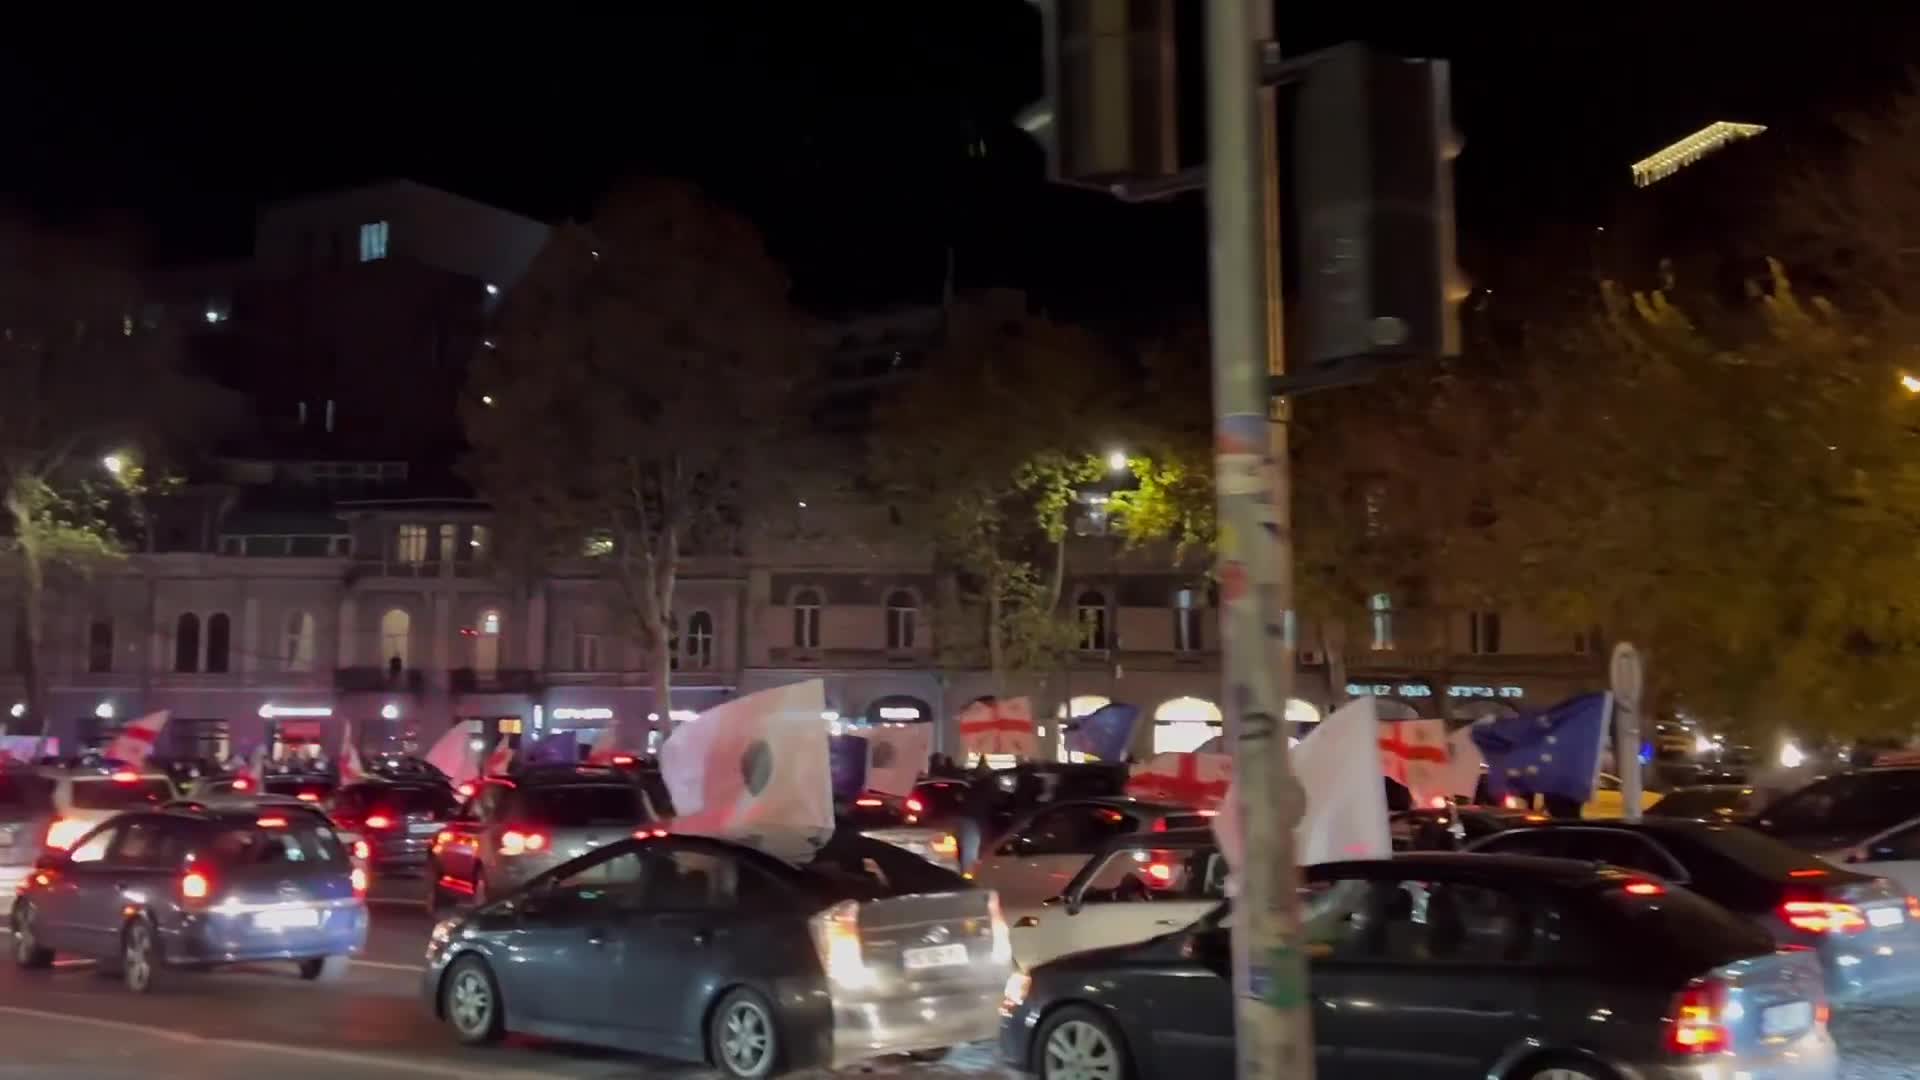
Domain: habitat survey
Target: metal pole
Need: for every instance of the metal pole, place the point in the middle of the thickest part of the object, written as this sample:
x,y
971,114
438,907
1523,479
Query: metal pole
x,y
1255,559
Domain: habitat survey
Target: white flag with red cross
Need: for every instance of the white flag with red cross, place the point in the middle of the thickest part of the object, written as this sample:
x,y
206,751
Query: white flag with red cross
x,y
135,742
1197,780
1414,754
998,726
501,760
351,768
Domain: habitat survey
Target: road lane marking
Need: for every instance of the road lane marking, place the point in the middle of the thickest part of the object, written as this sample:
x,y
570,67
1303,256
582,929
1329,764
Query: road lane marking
x,y
316,1053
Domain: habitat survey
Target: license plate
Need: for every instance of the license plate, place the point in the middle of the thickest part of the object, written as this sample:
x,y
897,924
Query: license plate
x,y
934,956
1886,916
423,828
290,919
1786,1019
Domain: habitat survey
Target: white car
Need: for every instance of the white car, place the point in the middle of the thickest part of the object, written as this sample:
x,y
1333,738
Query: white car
x,y
1893,854
1137,887
1035,861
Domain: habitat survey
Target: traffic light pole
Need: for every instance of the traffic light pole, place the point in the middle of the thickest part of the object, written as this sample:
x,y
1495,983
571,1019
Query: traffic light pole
x,y
1255,542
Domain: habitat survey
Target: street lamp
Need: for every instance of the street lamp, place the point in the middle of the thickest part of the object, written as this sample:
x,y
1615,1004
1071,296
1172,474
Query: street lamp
x,y
1909,383
104,710
1117,461
114,464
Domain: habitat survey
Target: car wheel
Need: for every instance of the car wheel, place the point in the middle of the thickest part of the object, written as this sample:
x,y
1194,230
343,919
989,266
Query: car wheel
x,y
470,1000
741,1039
27,950
1564,1069
1078,1043
323,968
140,961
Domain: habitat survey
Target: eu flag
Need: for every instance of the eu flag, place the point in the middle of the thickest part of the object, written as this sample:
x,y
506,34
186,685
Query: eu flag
x,y
1105,733
557,748
1556,752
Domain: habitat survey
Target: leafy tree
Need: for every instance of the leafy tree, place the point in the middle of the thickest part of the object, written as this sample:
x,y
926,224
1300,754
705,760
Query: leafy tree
x,y
81,377
635,398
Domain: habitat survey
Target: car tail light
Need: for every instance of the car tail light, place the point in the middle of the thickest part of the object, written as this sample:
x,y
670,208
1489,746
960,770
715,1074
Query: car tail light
x,y
379,821
358,876
466,790
273,822
1823,917
1514,802
1002,951
1438,802
915,806
195,885
869,802
125,776
1644,888
652,833
241,783
1822,1013
621,759
836,937
1159,825
1913,907
1696,1025
308,796
362,850
1159,874
63,833
1807,872
516,842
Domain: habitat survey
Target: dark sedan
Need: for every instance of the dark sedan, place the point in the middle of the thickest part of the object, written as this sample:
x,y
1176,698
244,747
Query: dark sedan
x,y
1436,966
1832,814
397,820
702,950
1863,928
1709,802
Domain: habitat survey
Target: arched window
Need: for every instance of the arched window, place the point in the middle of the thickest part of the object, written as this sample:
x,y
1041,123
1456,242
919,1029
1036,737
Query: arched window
x,y
186,642
486,645
700,641
396,633
1185,724
1092,608
296,643
902,616
806,619
1380,607
219,642
1188,621
100,646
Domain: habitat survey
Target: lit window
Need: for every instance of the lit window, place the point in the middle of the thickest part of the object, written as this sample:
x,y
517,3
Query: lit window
x,y
410,544
806,619
1092,609
490,623
1380,606
396,628
700,641
902,614
296,648
1188,619
1185,724
479,541
373,241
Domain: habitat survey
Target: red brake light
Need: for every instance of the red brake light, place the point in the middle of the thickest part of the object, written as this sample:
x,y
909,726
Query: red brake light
x,y
1913,907
241,783
622,759
648,834
1822,1013
1695,1026
1514,802
869,802
361,850
379,821
1439,802
358,877
1644,888
1823,917
1159,825
466,790
915,806
1160,873
1807,872
515,842
125,776
274,822
194,885
308,796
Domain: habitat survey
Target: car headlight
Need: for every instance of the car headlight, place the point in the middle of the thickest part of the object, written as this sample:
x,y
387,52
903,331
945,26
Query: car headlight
x,y
443,931
1015,993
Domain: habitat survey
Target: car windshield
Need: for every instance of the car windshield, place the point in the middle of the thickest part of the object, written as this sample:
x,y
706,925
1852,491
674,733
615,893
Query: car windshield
x,y
106,793
582,805
298,842
1849,802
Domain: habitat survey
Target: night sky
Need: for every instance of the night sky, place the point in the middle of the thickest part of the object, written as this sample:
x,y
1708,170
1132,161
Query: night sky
x,y
853,132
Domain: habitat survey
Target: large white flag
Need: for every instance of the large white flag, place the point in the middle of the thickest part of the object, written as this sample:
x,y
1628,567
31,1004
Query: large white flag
x,y
135,741
896,756
352,770
454,754
755,770
1338,764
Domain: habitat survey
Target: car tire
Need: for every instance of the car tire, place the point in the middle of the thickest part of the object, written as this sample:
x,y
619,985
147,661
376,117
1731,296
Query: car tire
x,y
142,963
470,1002
1080,1041
1563,1068
743,1041
323,968
27,950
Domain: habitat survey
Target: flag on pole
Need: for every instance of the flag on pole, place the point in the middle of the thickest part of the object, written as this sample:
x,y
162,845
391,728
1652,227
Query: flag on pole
x,y
1462,774
136,740
1105,733
755,770
500,762
1414,754
896,756
351,768
257,767
1196,780
453,753
998,726
1555,752
1338,764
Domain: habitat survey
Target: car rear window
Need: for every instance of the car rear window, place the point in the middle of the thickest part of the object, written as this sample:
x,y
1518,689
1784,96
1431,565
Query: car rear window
x,y
1762,854
109,794
1867,802
1698,803
1679,923
582,805
1189,821
288,786
871,812
294,844
423,799
855,867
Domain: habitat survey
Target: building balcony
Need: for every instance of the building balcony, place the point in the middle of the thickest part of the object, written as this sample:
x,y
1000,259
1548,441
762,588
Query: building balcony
x,y
503,681
379,680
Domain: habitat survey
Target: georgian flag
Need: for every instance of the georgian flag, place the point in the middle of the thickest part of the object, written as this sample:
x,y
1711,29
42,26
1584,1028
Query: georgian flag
x,y
501,760
1415,754
998,726
1197,780
755,771
351,768
135,742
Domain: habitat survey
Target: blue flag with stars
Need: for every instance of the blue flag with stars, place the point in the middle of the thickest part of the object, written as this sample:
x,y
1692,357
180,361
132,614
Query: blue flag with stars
x,y
1105,733
1555,752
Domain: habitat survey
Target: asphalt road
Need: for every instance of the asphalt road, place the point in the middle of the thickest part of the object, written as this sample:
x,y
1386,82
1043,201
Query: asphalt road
x,y
264,1021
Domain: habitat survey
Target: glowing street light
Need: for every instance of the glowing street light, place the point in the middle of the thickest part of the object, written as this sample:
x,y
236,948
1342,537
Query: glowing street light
x,y
1909,383
19,710
114,464
1117,461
